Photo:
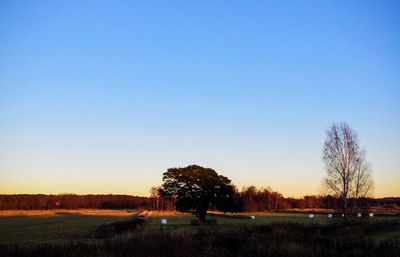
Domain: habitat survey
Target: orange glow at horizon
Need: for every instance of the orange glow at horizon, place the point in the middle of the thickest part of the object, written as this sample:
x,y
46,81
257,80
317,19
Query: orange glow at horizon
x,y
297,190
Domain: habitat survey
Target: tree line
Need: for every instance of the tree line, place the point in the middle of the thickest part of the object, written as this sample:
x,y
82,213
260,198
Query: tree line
x,y
71,201
248,199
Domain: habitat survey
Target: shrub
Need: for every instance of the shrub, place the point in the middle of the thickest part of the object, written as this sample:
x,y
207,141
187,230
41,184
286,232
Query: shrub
x,y
206,222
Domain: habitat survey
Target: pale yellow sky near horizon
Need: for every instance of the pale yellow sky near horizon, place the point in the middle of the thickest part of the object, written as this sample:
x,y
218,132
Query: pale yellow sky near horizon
x,y
384,187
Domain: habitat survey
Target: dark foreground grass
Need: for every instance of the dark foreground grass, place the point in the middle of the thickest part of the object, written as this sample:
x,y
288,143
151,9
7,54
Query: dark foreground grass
x,y
284,239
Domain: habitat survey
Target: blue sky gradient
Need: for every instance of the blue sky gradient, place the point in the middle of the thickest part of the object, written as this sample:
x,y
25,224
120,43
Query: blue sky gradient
x,y
104,96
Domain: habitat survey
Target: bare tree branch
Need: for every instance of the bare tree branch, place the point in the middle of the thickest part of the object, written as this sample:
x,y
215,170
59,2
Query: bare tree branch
x,y
348,175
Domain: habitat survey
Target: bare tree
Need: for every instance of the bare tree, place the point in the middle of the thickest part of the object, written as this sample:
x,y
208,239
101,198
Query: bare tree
x,y
154,198
363,184
348,173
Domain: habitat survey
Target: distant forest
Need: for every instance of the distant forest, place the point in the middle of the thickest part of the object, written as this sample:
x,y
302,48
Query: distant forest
x,y
248,200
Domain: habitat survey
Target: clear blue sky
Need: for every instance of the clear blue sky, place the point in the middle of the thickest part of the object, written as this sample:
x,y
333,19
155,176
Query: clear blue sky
x,y
104,96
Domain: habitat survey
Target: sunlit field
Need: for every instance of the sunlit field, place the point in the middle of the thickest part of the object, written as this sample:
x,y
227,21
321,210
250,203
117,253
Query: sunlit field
x,y
54,227
58,226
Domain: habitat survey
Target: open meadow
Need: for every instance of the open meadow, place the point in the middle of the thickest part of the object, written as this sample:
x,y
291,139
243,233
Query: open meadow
x,y
76,233
58,226
53,226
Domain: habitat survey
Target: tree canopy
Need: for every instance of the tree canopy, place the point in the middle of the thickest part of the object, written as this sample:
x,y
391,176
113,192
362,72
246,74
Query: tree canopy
x,y
196,188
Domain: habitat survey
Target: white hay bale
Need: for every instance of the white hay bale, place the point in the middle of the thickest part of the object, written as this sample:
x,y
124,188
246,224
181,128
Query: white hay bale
x,y
371,215
164,221
329,215
359,215
252,217
311,216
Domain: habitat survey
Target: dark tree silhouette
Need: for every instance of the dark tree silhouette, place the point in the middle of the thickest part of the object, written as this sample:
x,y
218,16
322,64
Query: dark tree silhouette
x,y
196,188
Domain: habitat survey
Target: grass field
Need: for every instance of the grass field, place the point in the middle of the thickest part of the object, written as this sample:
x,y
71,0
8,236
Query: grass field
x,y
92,233
60,225
51,228
180,222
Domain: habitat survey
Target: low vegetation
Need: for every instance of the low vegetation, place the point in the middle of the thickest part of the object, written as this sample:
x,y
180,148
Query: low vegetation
x,y
141,234
276,239
120,227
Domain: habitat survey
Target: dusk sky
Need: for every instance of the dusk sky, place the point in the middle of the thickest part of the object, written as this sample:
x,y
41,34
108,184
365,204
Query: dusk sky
x,y
105,96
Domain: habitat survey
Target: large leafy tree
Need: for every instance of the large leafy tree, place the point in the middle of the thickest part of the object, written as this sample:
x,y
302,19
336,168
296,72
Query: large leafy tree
x,y
196,188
